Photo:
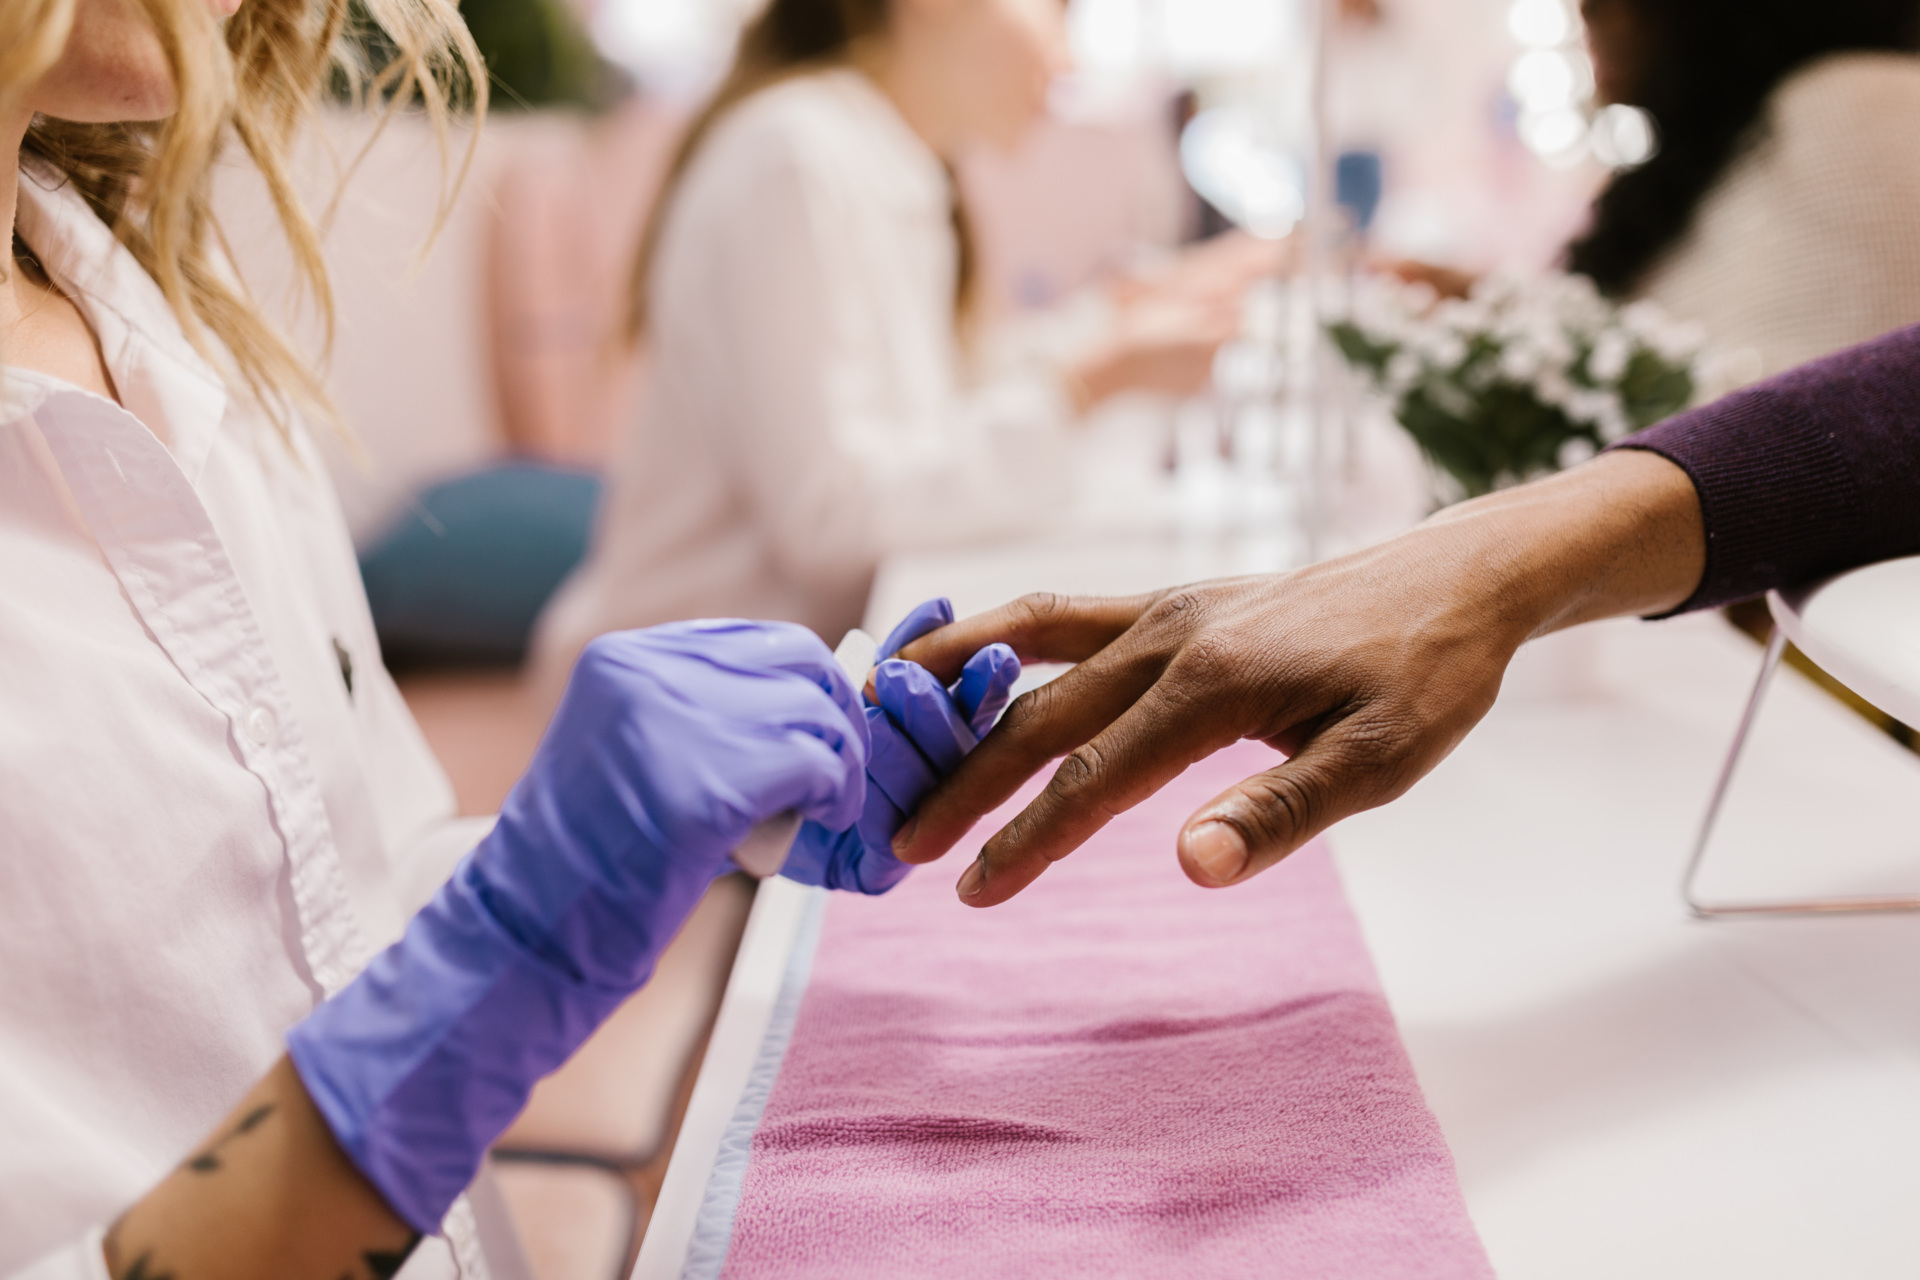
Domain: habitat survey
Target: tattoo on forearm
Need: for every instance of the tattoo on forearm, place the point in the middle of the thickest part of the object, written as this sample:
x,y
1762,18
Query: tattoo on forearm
x,y
208,1161
144,1268
378,1264
382,1265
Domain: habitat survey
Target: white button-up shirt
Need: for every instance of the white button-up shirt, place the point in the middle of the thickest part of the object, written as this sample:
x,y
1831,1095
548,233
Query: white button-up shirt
x,y
214,804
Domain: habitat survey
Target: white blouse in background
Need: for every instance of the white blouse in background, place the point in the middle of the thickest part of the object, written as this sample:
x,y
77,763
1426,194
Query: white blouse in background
x,y
808,408
203,828
1810,242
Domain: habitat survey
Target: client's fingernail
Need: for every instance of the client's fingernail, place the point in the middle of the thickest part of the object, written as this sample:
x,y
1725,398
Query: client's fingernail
x,y
1218,851
975,879
903,838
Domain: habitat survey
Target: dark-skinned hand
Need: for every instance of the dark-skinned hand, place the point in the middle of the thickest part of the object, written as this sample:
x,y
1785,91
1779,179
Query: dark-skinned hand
x,y
1366,670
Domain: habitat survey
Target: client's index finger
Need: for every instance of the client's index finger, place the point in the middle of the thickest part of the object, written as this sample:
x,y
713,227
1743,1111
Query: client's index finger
x,y
1042,627
1041,726
1149,745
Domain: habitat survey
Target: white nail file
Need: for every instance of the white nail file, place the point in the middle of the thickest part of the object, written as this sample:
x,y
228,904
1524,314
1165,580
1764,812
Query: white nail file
x,y
765,849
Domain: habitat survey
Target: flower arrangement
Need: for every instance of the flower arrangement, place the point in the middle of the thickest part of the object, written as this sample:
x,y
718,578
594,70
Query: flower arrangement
x,y
1523,377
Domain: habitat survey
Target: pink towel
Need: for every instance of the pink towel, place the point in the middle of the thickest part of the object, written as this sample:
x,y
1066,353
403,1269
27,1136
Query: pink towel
x,y
1115,1074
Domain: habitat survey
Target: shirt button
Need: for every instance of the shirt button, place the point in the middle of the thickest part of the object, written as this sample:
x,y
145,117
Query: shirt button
x,y
260,725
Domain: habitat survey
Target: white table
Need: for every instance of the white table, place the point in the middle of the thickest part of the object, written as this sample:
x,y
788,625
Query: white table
x,y
1628,1092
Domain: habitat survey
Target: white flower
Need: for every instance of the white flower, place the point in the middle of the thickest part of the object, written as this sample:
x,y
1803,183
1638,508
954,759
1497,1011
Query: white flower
x,y
1718,372
1579,306
1439,348
1672,341
1612,352
1574,452
1520,362
1613,422
1468,317
1593,407
1551,386
1403,370
1497,289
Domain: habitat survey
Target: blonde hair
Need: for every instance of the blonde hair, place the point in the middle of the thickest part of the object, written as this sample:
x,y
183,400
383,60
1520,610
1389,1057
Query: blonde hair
x,y
787,38
255,81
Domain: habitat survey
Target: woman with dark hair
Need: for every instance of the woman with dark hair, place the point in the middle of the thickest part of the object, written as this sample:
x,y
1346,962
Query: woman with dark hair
x,y
803,290
1782,211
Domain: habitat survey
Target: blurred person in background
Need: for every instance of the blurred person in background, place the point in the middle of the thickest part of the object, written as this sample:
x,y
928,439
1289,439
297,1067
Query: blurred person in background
x,y
805,289
1781,211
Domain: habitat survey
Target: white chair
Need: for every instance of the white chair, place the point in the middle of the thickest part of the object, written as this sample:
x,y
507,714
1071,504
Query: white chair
x,y
1863,629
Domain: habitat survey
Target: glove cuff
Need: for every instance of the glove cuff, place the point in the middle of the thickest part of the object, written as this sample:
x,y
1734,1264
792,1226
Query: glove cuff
x,y
424,1060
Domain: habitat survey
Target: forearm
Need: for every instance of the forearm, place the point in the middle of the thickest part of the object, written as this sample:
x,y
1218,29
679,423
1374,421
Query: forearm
x,y
1621,535
1094,378
270,1193
1162,349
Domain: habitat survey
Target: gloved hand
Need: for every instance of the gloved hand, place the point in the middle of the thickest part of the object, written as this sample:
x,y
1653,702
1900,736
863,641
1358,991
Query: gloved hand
x,y
920,733
669,745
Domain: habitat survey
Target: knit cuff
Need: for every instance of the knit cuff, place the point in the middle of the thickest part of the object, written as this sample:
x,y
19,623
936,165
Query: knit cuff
x,y
1777,499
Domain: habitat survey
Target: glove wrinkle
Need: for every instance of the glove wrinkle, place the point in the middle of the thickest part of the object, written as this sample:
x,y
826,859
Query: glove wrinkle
x,y
986,686
668,745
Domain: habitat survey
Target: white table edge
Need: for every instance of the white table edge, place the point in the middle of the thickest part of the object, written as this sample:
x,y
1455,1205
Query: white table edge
x,y
759,970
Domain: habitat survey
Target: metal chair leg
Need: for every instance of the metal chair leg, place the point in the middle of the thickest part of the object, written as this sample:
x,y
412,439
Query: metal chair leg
x,y
1769,666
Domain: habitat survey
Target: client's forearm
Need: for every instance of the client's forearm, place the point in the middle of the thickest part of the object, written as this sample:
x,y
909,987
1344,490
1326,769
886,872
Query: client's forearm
x,y
1621,535
270,1194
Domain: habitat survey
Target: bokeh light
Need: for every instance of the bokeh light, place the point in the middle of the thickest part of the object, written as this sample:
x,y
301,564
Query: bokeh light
x,y
1540,24
1623,137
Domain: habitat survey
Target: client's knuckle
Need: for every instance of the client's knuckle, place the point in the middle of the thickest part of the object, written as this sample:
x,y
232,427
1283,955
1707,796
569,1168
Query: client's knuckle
x,y
1024,715
1208,661
1178,609
1282,806
1038,610
1081,771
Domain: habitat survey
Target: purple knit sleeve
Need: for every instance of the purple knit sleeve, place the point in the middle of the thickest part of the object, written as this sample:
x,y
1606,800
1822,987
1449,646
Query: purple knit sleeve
x,y
1806,474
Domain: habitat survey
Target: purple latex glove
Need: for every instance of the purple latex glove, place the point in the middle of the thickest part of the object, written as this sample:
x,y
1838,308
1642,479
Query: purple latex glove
x,y
920,733
669,745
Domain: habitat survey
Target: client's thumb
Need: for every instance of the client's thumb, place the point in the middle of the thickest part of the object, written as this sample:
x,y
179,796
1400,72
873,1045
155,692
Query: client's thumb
x,y
1256,823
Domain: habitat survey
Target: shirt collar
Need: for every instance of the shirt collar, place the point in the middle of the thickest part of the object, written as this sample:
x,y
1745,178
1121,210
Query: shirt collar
x,y
24,390
161,379
907,154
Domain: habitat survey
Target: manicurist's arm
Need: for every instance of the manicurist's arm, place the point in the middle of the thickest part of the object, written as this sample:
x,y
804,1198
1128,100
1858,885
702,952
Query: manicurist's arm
x,y
269,1193
1369,669
668,746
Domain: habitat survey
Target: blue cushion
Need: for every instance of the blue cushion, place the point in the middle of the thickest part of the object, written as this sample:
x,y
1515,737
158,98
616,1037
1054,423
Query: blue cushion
x,y
464,574
1358,181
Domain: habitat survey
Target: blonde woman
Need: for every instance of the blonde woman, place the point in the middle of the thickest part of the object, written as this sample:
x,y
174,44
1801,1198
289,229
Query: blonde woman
x,y
214,808
803,289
